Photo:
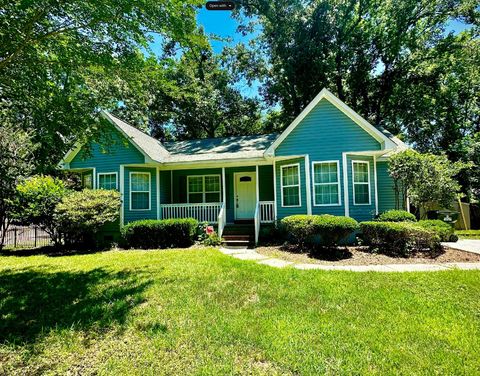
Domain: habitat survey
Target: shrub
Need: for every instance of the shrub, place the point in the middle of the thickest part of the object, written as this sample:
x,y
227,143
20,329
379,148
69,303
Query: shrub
x,y
35,203
396,216
212,240
442,229
165,233
272,233
331,229
398,238
81,215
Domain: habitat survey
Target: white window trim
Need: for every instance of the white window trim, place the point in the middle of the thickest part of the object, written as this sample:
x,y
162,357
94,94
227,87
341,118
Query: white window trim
x,y
108,173
149,189
315,184
358,183
204,191
294,185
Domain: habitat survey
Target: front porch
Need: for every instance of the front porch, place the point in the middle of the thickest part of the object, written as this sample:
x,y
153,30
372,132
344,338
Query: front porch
x,y
219,195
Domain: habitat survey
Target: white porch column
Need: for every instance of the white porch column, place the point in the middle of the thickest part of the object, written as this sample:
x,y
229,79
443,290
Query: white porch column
x,y
375,181
158,194
94,178
274,190
257,189
224,189
345,185
122,194
307,182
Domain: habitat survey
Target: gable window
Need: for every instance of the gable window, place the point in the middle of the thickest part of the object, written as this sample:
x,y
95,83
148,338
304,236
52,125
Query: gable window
x,y
290,185
361,182
140,189
203,188
107,180
326,183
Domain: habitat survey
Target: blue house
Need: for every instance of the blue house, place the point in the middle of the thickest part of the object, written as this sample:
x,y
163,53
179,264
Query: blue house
x,y
329,160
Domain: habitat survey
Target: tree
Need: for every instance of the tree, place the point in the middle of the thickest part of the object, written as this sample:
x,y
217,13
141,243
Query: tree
x,y
194,97
393,62
61,62
427,179
35,202
16,163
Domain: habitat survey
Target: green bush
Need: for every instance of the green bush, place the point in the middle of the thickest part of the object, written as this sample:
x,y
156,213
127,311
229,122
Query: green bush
x,y
212,240
272,233
81,215
165,233
442,229
398,238
396,216
35,201
331,229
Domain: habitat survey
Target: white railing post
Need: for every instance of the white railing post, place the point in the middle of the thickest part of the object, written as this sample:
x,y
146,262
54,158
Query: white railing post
x,y
222,219
267,211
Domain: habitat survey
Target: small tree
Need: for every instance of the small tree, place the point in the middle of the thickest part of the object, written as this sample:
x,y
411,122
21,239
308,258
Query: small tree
x,y
16,157
35,202
81,215
428,179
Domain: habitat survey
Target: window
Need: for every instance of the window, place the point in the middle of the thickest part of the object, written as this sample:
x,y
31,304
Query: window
x,y
290,181
87,181
107,181
203,188
361,182
326,183
140,191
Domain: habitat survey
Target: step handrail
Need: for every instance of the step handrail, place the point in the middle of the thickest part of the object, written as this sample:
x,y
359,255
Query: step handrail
x,y
257,222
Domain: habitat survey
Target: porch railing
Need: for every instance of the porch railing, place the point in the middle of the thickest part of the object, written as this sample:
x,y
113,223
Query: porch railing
x,y
208,212
267,211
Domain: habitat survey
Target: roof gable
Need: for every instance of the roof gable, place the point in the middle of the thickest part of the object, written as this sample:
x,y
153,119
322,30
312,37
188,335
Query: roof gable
x,y
385,141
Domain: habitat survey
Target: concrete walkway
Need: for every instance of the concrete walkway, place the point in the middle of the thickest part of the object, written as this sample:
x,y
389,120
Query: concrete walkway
x,y
251,254
467,245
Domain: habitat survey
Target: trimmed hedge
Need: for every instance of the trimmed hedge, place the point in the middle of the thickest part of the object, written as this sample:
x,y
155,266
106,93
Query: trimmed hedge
x,y
442,229
165,233
398,238
396,216
330,228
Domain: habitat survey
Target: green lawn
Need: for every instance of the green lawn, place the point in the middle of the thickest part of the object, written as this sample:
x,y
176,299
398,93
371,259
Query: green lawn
x,y
201,312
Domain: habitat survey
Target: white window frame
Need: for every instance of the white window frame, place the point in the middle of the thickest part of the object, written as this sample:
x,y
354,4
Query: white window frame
x,y
315,184
107,173
149,189
363,183
204,191
294,185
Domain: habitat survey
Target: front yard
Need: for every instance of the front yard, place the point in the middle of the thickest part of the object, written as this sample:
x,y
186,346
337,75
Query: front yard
x,y
198,311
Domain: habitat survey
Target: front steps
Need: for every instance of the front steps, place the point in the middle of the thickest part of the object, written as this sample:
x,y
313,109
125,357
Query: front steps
x,y
239,235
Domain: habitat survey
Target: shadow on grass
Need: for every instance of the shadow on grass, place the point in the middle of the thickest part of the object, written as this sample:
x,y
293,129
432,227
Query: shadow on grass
x,y
319,253
34,301
50,250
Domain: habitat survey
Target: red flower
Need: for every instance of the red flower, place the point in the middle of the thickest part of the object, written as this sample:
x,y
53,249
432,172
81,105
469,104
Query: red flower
x,y
209,230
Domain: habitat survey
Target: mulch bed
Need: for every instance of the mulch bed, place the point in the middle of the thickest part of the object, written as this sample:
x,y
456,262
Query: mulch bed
x,y
361,256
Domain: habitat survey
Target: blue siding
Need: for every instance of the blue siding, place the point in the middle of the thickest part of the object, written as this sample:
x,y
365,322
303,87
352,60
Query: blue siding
x,y
284,212
108,154
134,215
386,192
324,134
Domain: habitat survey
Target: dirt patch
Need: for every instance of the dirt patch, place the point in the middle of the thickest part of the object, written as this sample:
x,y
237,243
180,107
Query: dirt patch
x,y
361,256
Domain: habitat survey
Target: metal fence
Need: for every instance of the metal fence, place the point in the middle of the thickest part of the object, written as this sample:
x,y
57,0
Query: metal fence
x,y
26,237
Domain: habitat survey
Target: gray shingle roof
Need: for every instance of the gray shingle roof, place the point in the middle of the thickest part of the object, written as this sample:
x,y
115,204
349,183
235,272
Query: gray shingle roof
x,y
237,147
150,146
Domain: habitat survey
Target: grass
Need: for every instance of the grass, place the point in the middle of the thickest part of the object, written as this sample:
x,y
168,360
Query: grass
x,y
201,312
468,234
